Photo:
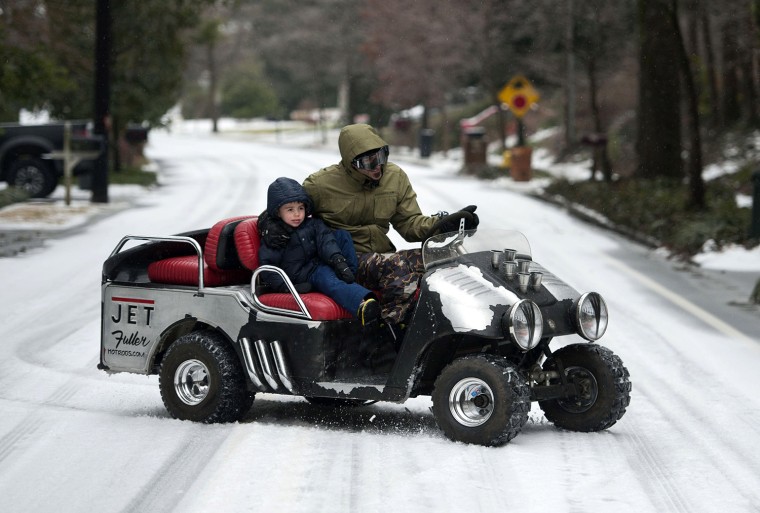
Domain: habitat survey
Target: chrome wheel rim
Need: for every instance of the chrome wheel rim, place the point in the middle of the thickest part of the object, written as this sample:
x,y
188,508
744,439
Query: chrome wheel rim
x,y
471,402
191,382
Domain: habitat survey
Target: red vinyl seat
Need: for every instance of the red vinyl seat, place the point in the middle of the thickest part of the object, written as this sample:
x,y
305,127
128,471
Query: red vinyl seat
x,y
221,265
321,307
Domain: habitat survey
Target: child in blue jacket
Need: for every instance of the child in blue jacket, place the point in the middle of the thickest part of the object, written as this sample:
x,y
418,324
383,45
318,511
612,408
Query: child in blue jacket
x,y
310,253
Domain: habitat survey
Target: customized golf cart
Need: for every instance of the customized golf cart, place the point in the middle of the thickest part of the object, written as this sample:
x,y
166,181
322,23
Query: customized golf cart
x,y
188,308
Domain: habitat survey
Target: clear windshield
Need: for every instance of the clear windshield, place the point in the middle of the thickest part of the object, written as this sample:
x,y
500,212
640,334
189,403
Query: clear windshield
x,y
449,246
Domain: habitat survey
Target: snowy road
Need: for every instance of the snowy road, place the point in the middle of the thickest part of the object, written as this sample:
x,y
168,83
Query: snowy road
x,y
73,439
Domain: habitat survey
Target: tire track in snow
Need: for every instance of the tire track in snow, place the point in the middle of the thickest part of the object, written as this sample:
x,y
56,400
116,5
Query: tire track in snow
x,y
704,424
205,187
691,403
178,474
710,440
15,439
681,378
63,394
663,487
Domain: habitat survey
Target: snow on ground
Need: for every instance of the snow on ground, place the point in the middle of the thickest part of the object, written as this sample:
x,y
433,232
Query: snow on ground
x,y
730,258
74,439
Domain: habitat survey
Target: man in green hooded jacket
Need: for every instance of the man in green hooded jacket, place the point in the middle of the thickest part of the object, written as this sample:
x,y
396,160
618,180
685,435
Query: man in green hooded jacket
x,y
366,202
365,195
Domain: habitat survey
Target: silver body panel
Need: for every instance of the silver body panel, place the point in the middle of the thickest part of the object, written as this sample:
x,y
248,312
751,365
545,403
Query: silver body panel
x,y
135,319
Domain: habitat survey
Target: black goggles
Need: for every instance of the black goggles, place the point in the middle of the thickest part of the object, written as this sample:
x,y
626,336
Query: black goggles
x,y
370,161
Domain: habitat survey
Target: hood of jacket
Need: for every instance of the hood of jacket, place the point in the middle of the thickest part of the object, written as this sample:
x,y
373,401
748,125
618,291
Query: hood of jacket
x,y
285,190
357,139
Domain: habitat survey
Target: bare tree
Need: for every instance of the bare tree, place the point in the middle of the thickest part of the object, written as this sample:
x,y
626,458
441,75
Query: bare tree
x,y
310,47
420,50
510,38
600,43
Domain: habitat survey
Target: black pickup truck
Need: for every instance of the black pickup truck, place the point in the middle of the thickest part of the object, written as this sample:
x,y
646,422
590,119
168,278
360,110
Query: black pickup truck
x,y
23,149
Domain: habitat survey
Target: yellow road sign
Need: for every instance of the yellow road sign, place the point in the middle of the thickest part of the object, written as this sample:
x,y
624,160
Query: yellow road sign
x,y
519,94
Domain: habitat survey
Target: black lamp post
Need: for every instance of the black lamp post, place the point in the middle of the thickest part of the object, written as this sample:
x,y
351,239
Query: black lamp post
x,y
102,97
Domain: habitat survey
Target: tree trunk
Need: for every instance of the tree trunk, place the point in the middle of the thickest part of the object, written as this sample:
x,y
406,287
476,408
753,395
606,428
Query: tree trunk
x,y
570,80
694,163
601,155
594,105
730,99
712,75
113,143
212,86
344,99
445,132
659,123
749,94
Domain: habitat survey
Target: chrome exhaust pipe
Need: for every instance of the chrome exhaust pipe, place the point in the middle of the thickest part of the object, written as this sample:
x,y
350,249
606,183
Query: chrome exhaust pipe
x,y
535,280
252,366
509,269
282,366
267,365
523,279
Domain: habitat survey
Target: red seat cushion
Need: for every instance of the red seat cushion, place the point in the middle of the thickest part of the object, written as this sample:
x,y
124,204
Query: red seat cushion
x,y
183,270
321,307
219,252
221,265
247,242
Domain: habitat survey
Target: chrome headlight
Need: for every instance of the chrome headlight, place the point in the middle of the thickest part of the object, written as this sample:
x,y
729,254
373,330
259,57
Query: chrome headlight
x,y
525,324
591,316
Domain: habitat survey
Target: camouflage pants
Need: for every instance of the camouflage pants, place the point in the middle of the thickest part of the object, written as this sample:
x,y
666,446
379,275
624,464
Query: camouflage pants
x,y
396,276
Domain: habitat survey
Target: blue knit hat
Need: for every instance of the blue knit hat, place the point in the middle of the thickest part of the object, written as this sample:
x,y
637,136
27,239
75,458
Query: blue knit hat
x,y
286,190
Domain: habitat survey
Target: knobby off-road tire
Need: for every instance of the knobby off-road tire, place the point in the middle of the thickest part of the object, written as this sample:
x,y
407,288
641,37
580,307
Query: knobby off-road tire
x,y
481,399
201,379
605,388
32,175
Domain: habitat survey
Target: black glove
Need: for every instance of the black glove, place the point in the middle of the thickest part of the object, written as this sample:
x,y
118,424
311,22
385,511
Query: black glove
x,y
475,219
342,271
450,222
273,232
